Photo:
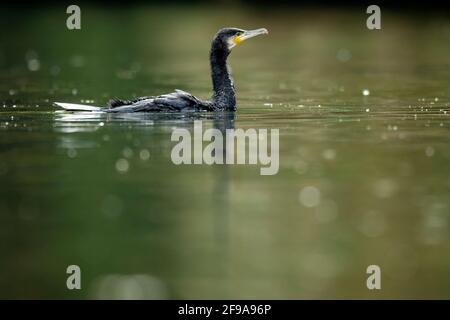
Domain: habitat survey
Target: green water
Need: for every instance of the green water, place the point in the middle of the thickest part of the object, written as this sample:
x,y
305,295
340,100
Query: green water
x,y
363,179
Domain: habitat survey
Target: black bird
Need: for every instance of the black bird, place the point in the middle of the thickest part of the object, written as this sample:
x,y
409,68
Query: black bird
x,y
223,98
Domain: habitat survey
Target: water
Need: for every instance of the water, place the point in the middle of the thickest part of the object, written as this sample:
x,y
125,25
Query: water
x,y
364,122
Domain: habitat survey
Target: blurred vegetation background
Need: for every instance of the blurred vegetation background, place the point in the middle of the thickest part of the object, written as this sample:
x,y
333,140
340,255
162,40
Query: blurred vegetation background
x,y
364,134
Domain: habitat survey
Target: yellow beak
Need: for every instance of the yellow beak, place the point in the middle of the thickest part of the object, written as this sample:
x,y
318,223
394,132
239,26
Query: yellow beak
x,y
249,34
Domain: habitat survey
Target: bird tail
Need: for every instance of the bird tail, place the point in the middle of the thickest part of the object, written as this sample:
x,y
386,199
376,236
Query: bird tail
x,y
77,107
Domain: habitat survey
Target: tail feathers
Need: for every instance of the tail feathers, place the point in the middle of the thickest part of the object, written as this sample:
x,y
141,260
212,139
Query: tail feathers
x,y
77,107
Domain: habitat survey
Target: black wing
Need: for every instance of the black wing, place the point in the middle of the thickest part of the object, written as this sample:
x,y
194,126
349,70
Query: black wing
x,y
172,102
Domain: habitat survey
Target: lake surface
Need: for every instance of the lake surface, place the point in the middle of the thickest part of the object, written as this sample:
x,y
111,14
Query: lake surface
x,y
364,177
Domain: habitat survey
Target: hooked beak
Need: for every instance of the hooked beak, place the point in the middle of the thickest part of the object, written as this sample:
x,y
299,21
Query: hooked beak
x,y
247,35
253,33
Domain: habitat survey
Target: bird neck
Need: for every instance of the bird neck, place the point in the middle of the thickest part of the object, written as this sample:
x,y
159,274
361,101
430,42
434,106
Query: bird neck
x,y
223,89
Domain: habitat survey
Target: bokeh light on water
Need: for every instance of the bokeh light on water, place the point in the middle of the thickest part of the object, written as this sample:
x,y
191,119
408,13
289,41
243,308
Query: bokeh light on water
x,y
364,176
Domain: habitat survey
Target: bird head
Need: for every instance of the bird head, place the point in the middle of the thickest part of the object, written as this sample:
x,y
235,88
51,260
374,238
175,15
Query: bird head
x,y
228,38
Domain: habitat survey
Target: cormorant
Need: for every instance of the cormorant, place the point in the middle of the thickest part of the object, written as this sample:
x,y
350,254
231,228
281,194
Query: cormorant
x,y
223,98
